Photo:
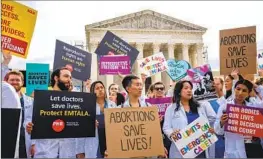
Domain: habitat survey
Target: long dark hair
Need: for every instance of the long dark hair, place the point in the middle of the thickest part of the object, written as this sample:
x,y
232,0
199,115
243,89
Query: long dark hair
x,y
229,92
177,97
120,99
92,87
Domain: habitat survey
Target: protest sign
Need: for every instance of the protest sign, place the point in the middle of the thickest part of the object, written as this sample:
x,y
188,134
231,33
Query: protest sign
x,y
10,125
17,23
260,60
202,79
60,114
238,49
111,44
152,65
77,60
177,70
195,138
244,120
161,103
137,132
37,77
112,65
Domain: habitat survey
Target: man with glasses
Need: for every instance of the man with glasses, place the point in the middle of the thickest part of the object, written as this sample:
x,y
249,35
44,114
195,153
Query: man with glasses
x,y
159,90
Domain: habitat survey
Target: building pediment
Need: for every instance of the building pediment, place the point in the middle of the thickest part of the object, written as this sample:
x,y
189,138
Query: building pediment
x,y
146,19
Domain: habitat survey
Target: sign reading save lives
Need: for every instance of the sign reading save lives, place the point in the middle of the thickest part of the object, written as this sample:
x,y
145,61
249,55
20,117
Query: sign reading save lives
x,y
60,114
137,132
79,61
17,23
238,50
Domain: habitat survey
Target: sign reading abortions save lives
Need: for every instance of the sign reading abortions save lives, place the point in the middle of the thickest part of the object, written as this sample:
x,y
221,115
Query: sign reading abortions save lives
x,y
37,77
244,120
112,65
77,60
195,138
17,25
113,45
152,65
137,132
238,49
60,114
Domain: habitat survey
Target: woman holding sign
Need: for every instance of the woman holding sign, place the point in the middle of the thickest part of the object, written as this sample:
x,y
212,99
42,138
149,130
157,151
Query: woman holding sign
x,y
237,145
181,113
91,147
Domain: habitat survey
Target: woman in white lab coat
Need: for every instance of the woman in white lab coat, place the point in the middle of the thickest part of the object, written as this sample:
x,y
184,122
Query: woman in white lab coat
x,y
182,112
236,145
89,147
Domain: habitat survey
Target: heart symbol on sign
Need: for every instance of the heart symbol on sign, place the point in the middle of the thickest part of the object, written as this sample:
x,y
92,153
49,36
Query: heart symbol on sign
x,y
177,69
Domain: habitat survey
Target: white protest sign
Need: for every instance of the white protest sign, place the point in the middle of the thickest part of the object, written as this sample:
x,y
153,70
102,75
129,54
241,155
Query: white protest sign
x,y
195,138
152,65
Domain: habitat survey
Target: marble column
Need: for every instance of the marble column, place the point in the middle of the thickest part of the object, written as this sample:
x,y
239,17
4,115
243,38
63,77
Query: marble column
x,y
158,76
185,53
94,64
199,52
167,79
139,47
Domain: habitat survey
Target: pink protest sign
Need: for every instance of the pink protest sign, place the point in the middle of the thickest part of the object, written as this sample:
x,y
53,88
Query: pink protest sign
x,y
111,65
161,103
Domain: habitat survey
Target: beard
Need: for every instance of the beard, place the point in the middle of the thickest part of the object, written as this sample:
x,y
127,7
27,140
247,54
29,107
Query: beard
x,y
63,86
17,87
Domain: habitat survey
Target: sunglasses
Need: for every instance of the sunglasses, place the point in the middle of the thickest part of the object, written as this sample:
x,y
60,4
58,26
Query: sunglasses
x,y
160,88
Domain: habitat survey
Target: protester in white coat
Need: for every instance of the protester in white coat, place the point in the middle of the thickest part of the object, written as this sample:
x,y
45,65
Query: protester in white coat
x,y
235,146
89,147
182,112
10,99
55,148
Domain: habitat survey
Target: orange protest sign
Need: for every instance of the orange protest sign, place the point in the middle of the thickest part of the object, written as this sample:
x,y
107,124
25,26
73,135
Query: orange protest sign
x,y
244,120
18,23
137,132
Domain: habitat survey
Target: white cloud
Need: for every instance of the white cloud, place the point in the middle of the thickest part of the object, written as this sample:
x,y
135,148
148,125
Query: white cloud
x,y
66,20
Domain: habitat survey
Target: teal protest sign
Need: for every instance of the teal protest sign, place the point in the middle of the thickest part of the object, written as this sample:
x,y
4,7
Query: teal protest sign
x,y
177,69
37,77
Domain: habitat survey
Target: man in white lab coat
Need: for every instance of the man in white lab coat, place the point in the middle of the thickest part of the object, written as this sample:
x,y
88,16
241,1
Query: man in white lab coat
x,y
55,148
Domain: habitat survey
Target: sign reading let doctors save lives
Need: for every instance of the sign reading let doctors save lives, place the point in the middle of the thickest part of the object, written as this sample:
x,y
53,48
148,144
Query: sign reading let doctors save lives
x,y
60,114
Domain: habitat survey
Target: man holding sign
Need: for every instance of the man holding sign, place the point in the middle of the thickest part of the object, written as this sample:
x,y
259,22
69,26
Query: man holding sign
x,y
52,148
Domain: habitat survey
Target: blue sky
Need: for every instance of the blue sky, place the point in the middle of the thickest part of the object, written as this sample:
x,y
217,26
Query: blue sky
x,y
66,20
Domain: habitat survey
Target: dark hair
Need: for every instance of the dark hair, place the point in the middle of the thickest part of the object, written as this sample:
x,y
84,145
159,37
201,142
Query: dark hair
x,y
229,92
92,87
157,83
259,81
127,80
56,73
247,83
177,97
111,86
120,99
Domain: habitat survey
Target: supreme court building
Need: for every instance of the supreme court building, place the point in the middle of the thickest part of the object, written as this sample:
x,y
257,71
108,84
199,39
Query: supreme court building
x,y
149,32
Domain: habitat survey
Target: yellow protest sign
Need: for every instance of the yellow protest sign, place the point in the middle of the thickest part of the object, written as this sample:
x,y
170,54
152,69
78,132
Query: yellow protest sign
x,y
17,25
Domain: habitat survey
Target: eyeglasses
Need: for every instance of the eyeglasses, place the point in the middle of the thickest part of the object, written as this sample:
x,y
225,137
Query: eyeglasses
x,y
160,88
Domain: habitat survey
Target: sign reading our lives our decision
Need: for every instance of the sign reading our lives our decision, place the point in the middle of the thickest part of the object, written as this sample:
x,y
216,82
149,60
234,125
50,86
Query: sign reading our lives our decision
x,y
244,120
238,49
195,138
17,23
177,70
77,60
161,103
137,132
152,65
111,44
60,114
113,65
37,77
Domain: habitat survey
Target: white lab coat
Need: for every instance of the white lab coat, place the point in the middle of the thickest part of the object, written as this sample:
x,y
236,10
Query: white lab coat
x,y
28,107
177,120
141,100
234,143
49,148
89,145
10,99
